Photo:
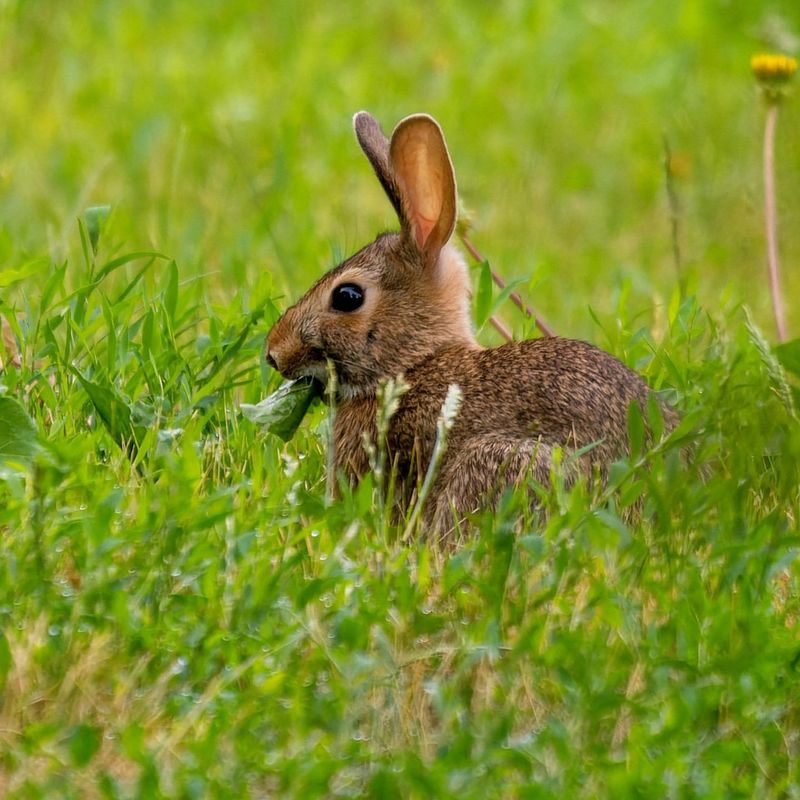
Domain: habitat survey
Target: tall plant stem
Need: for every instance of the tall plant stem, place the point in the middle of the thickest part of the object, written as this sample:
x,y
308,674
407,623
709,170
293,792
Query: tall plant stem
x,y
502,328
770,215
674,216
514,297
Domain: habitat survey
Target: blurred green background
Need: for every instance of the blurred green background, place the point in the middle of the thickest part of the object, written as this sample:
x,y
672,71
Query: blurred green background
x,y
221,135
182,614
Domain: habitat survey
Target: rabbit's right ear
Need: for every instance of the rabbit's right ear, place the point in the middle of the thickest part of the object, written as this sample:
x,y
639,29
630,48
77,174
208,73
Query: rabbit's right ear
x,y
376,148
423,173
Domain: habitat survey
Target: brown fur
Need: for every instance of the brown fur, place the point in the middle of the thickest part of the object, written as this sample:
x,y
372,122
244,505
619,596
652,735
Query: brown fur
x,y
519,401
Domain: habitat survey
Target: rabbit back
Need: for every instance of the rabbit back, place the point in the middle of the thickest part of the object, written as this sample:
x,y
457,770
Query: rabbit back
x,y
548,392
564,392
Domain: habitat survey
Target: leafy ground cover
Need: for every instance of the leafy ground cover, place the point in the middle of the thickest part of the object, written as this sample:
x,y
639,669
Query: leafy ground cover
x,y
184,613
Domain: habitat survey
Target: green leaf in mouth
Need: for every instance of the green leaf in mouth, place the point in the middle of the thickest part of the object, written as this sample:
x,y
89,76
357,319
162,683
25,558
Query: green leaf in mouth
x,y
282,412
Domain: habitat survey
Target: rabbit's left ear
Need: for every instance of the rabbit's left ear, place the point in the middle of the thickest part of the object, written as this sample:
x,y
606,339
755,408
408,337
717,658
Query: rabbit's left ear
x,y
376,148
426,183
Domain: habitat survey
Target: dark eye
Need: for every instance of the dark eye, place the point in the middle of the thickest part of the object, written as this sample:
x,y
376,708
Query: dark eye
x,y
347,297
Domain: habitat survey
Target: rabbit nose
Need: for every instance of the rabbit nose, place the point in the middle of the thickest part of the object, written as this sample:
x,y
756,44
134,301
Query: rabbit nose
x,y
270,359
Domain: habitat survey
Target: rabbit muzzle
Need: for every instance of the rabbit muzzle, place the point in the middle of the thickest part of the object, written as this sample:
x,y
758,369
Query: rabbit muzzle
x,y
286,352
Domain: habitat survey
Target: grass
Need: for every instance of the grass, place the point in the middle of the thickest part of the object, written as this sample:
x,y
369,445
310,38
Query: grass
x,y
188,616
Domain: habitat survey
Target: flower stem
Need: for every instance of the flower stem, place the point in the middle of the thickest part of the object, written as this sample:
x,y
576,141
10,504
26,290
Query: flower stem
x,y
674,216
770,215
514,297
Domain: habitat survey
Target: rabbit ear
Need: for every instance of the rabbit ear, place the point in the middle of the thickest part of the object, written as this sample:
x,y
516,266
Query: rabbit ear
x,y
376,148
423,174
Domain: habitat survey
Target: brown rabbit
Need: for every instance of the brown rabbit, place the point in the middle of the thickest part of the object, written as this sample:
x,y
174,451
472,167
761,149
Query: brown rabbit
x,y
401,306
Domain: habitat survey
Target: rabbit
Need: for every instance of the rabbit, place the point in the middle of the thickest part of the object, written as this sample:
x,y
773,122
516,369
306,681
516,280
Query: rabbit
x,y
401,306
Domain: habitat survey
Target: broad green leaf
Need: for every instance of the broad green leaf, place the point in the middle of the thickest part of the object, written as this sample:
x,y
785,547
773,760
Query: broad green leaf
x,y
504,294
83,742
635,428
17,432
282,412
113,410
171,291
655,417
483,296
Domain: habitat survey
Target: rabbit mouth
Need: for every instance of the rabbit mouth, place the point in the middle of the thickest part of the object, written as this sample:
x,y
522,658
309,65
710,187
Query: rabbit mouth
x,y
349,381
317,372
345,390
311,364
345,393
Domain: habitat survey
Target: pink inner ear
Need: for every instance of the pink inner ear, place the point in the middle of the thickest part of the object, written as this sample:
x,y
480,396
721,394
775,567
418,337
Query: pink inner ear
x,y
422,228
425,196
423,174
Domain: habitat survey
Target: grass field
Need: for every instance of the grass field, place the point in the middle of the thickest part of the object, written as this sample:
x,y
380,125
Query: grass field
x,y
183,614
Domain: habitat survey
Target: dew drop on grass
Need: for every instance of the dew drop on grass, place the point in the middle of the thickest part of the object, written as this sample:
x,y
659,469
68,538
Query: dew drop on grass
x,y
181,663
53,630
314,534
290,466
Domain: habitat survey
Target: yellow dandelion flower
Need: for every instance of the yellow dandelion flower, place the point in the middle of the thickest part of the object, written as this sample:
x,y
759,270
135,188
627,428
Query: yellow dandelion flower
x,y
771,68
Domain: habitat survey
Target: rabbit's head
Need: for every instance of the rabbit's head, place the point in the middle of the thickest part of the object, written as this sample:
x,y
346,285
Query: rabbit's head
x,y
402,297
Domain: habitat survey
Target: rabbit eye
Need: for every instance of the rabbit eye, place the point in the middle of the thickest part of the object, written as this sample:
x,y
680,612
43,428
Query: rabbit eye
x,y
347,297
